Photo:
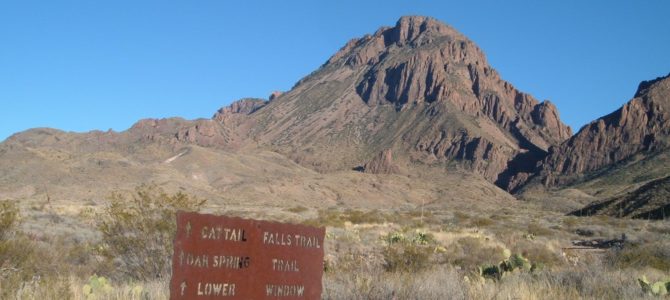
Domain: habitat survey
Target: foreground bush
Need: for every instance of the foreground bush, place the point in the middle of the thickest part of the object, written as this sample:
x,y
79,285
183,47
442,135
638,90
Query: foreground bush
x,y
138,230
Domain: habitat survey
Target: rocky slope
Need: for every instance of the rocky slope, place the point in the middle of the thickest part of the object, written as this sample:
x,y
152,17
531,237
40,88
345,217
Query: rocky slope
x,y
640,128
650,201
381,164
419,88
620,161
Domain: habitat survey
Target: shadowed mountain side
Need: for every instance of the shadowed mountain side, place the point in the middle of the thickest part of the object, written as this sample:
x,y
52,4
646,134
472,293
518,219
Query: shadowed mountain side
x,y
612,157
650,201
639,128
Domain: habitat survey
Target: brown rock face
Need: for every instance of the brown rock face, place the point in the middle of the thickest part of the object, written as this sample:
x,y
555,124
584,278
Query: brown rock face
x,y
382,164
433,62
641,126
421,86
173,131
239,107
218,132
422,64
274,95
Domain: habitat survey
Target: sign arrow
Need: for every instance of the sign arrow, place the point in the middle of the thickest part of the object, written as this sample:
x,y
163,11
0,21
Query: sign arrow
x,y
183,287
181,258
188,229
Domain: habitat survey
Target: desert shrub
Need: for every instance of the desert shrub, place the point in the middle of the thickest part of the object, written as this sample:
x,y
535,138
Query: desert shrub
x,y
362,217
332,218
460,217
418,237
570,222
441,282
297,209
539,230
585,282
336,218
470,252
407,257
410,252
9,214
137,231
537,252
14,251
481,222
654,255
25,265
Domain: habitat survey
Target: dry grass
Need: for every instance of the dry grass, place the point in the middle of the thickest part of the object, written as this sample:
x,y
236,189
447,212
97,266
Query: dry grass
x,y
363,263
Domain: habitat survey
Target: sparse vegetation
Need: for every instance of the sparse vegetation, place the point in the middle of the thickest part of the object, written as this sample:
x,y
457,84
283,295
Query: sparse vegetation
x,y
297,209
336,218
138,230
649,255
370,254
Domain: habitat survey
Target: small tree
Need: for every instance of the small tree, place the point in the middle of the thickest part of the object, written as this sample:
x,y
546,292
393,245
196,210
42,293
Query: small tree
x,y
138,230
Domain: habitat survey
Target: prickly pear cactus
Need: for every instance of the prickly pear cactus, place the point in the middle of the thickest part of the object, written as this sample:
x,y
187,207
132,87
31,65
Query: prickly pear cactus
x,y
519,262
659,288
421,238
490,271
511,263
507,253
96,287
395,237
138,292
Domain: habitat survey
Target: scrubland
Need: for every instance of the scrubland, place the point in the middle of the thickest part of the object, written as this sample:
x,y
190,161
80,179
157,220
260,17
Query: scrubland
x,y
515,251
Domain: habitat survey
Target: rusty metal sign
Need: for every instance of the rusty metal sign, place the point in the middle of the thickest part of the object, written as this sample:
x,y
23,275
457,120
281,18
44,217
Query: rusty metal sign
x,y
218,257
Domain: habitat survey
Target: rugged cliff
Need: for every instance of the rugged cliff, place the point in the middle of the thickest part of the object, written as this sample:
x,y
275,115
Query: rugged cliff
x,y
420,88
641,127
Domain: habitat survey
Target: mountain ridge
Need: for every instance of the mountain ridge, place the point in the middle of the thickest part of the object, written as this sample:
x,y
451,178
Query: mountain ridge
x,y
415,95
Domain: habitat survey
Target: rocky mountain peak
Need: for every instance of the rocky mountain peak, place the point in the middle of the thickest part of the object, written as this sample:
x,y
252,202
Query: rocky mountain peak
x,y
409,28
409,31
435,94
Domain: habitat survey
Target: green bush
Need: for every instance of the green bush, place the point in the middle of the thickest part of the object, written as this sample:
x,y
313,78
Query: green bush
x,y
407,257
408,253
137,231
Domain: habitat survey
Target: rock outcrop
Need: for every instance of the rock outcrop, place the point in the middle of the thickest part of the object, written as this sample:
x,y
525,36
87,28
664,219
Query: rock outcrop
x,y
382,164
640,127
274,95
240,107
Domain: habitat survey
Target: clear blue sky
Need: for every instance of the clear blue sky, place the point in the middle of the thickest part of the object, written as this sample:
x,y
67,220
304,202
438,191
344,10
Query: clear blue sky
x,y
83,65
